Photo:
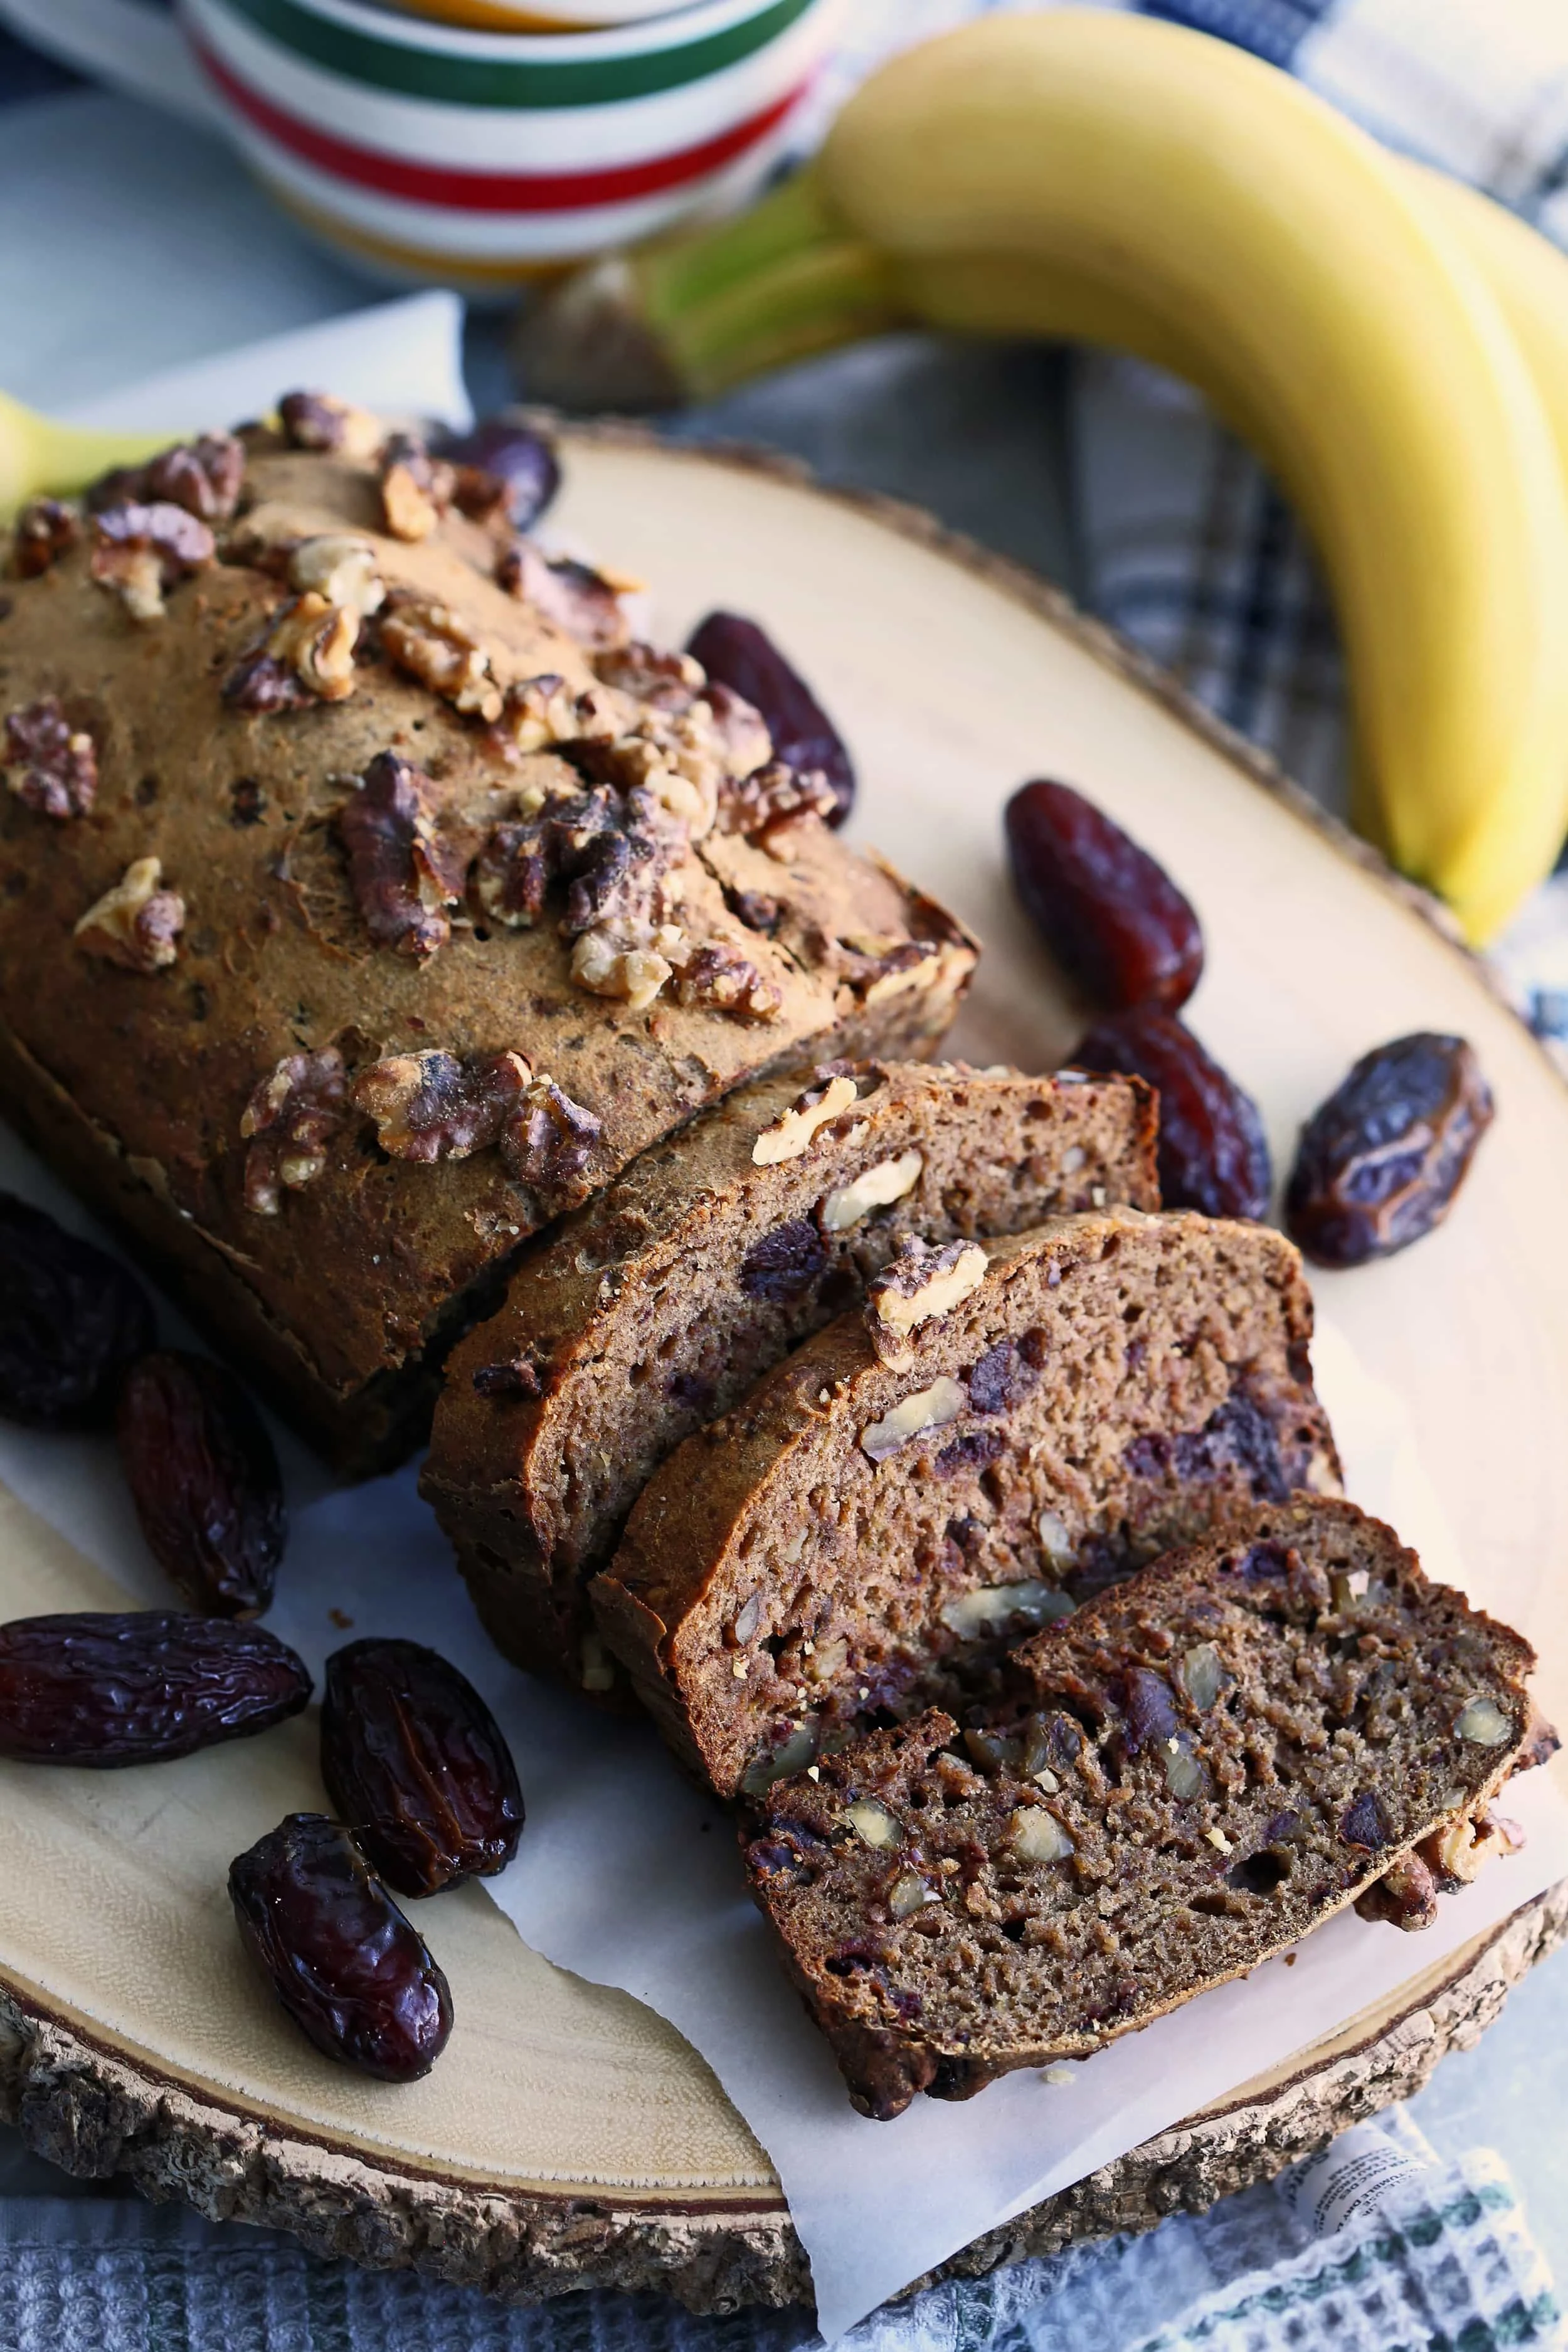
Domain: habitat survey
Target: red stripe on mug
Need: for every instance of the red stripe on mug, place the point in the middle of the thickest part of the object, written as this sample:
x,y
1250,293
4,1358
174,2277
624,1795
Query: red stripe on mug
x,y
488,191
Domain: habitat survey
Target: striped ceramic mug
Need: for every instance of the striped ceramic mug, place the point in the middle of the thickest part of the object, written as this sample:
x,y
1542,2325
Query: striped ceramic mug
x,y
433,150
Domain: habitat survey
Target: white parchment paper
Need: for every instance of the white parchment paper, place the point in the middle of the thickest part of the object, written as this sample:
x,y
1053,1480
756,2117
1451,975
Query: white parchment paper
x,y
627,1877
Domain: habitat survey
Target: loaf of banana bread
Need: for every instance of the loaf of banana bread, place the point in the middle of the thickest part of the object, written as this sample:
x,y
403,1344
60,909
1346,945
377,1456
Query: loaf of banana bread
x,y
1184,1778
370,897
1005,1428
654,1309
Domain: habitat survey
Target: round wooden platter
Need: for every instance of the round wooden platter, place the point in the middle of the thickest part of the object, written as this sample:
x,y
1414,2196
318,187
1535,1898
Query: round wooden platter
x,y
568,2137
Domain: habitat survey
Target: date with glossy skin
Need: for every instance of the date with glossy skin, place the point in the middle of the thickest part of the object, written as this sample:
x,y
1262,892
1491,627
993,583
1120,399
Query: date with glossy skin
x,y
415,1762
1378,1163
736,653
1109,914
349,1967
522,458
1213,1152
71,1318
205,1480
141,1686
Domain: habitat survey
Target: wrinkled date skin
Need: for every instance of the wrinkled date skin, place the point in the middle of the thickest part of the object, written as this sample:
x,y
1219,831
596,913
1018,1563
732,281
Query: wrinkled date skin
x,y
415,1762
205,1480
350,1970
736,653
1378,1163
140,1687
1111,917
70,1321
522,458
1213,1152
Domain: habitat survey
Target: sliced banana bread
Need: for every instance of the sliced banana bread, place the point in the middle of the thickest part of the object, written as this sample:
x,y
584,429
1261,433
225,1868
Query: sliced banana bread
x,y
659,1304
903,1499
1189,1774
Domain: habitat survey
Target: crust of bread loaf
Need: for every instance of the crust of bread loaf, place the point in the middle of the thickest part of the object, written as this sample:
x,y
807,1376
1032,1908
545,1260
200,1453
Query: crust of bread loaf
x,y
377,1262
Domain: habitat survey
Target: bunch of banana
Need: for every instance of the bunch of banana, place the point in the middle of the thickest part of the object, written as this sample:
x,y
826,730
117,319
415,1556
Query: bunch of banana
x,y
1394,347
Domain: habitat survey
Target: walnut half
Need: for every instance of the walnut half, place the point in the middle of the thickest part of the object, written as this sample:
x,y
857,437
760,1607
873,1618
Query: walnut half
x,y
136,924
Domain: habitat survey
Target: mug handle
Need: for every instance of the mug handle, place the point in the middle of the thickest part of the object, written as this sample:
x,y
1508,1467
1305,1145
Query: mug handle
x,y
137,48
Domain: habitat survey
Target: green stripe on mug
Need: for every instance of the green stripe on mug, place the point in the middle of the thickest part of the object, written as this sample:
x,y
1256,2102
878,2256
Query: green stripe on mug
x,y
446,75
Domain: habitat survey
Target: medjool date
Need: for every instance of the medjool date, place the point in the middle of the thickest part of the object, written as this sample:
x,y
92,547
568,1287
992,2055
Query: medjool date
x,y
345,1963
1212,1153
415,1762
1380,1161
71,1318
736,653
205,1480
1108,912
139,1687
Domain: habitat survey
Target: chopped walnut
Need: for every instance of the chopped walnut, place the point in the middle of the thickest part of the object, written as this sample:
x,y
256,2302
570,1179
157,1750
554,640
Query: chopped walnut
x,y
1405,1896
626,965
140,550
773,795
548,1143
512,874
135,924
792,1130
204,475
434,1105
341,568
416,488
920,1284
719,977
47,529
307,656
434,646
662,679
929,1408
49,765
316,420
1459,1852
288,1122
586,603
403,876
537,713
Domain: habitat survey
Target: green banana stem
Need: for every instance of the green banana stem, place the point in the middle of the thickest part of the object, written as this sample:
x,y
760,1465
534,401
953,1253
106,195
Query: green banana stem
x,y
702,310
797,308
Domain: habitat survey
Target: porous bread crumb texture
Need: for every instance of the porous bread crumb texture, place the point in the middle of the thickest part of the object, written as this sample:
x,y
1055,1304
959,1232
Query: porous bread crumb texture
x,y
819,1560
655,1309
1183,1778
337,1300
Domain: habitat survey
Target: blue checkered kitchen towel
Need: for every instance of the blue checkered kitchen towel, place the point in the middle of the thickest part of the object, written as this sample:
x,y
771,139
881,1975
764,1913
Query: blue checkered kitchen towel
x,y
1185,545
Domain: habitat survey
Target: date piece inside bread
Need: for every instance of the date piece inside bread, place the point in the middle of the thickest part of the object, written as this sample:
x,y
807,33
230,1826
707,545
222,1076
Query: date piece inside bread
x,y
1189,1774
654,1308
862,1537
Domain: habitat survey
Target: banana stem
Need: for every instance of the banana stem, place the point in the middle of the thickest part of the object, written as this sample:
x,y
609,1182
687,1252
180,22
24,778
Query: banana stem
x,y
807,304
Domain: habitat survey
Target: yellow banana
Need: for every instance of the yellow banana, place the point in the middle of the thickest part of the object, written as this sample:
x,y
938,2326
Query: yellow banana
x,y
1118,179
1217,197
38,455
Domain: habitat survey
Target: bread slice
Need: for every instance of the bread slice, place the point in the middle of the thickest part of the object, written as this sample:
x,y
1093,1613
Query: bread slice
x,y
1190,1774
657,1306
861,1539
664,1301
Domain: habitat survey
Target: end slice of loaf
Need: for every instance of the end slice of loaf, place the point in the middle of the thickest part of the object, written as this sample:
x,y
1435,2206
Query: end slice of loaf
x,y
1190,1774
860,1540
658,1305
